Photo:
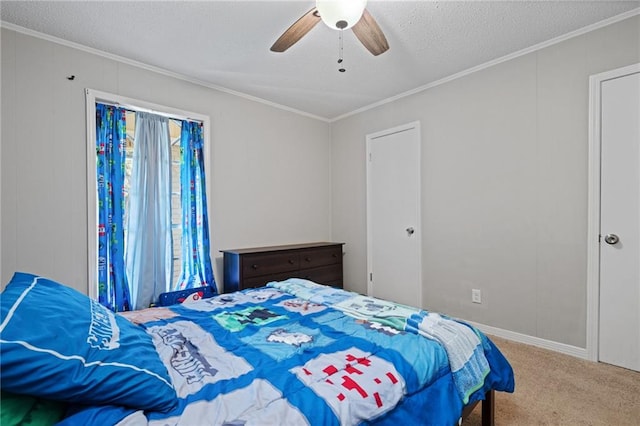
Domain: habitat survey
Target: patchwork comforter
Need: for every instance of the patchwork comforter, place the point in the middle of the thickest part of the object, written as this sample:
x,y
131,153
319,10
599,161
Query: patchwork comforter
x,y
296,353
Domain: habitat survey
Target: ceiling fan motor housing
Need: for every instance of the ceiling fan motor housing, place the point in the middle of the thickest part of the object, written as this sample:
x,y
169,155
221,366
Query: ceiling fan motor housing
x,y
341,14
365,28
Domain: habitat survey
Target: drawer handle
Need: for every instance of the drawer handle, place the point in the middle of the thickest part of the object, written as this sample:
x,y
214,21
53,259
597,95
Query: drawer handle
x,y
291,262
254,266
308,259
335,254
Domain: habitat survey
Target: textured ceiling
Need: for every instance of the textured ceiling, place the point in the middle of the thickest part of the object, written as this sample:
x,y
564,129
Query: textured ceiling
x,y
226,44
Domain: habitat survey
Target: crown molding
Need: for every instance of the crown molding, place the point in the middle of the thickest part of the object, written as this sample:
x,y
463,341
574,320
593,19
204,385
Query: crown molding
x,y
152,68
494,62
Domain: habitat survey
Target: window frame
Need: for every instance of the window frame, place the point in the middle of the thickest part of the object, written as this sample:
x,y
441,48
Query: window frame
x,y
93,96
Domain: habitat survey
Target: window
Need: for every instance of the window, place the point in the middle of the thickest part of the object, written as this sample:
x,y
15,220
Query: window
x,y
196,128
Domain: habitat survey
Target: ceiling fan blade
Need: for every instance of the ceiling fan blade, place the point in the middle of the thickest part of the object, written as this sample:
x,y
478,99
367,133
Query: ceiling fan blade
x,y
296,31
370,34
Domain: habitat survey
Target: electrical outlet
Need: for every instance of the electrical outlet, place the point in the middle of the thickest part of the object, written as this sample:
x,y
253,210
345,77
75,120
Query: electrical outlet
x,y
476,295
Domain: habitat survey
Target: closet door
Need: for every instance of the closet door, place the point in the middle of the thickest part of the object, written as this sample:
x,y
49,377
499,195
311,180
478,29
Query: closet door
x,y
619,332
393,215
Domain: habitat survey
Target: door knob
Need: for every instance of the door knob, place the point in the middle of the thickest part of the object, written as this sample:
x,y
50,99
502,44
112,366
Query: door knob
x,y
410,231
611,239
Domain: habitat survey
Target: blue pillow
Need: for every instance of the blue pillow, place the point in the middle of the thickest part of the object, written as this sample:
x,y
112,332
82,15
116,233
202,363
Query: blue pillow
x,y
57,343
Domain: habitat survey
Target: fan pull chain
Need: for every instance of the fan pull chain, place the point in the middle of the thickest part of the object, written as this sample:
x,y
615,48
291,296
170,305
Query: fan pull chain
x,y
340,51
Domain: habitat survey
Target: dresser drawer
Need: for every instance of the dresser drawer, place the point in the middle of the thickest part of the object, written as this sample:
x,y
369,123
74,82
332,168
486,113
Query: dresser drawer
x,y
331,274
264,279
264,264
319,257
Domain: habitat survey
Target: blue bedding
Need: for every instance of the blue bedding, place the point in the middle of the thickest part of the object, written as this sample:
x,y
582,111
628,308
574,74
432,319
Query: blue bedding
x,y
296,353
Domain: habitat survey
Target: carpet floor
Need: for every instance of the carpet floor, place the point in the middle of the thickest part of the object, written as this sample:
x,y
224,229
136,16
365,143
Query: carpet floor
x,y
557,389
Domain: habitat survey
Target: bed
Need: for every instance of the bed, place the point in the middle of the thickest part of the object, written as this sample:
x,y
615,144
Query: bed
x,y
290,353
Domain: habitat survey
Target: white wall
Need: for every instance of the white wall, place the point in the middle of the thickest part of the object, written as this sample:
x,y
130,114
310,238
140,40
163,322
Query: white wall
x,y
504,185
504,161
270,183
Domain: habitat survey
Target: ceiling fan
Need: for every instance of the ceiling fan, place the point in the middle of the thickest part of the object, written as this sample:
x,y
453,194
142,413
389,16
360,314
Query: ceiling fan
x,y
339,15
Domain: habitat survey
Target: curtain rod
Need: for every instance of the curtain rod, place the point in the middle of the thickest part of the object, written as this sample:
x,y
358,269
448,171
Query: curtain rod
x,y
136,108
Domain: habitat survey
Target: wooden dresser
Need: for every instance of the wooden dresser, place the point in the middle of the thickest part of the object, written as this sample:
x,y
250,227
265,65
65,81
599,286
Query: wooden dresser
x,y
255,267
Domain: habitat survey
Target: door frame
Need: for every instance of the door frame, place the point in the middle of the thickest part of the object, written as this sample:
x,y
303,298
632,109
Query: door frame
x,y
593,210
415,125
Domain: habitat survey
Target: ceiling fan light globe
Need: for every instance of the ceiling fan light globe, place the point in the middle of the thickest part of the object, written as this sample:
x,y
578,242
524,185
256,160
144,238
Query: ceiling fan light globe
x,y
335,13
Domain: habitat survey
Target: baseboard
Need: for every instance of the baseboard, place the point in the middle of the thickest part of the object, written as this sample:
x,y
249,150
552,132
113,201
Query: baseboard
x,y
531,340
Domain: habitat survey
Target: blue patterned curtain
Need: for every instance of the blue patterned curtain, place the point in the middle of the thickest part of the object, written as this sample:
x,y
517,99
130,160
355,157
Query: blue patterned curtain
x,y
196,260
113,289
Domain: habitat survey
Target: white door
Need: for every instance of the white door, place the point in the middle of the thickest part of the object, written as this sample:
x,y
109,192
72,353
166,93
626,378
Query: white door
x,y
619,333
393,215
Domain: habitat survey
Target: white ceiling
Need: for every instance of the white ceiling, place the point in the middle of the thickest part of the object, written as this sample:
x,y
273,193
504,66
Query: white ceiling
x,y
225,44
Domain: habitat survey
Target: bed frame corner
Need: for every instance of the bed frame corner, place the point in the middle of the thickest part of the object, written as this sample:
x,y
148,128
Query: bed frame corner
x,y
488,409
